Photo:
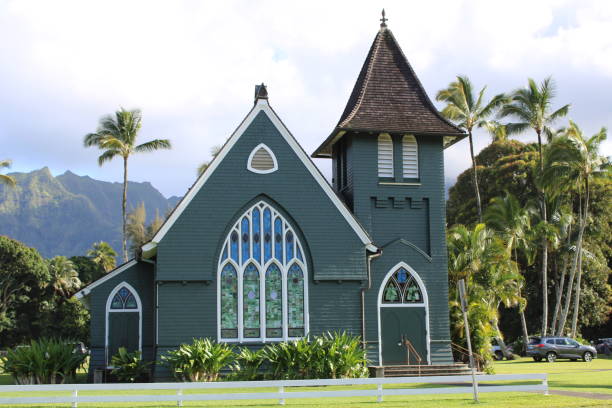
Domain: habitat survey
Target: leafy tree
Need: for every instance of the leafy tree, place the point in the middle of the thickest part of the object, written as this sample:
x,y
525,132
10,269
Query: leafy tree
x,y
23,275
469,111
104,255
117,137
531,106
87,269
64,277
137,231
4,179
574,161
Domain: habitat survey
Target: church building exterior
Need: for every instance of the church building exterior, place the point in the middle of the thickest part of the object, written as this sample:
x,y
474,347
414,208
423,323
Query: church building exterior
x,y
264,249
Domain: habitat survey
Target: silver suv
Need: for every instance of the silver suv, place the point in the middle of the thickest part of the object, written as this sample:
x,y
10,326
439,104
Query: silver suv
x,y
552,348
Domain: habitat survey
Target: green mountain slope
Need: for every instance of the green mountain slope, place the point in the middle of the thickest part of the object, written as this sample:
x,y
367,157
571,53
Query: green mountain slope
x,y
64,215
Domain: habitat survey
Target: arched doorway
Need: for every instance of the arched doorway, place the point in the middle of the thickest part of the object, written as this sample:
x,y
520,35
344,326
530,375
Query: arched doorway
x,y
403,317
123,320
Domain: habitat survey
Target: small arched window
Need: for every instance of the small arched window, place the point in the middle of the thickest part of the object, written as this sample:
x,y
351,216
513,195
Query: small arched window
x,y
385,155
262,160
410,157
402,288
124,299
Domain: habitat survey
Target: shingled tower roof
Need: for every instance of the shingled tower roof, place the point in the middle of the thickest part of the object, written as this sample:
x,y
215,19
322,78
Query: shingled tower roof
x,y
388,97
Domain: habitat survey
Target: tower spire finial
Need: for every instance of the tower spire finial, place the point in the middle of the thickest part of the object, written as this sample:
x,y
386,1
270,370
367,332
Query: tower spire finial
x,y
383,19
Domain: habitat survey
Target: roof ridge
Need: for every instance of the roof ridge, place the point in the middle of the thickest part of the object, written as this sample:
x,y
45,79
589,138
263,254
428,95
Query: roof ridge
x,y
366,80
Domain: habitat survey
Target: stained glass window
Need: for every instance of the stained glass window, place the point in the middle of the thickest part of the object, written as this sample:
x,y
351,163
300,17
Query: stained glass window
x,y
267,221
274,302
124,299
295,301
229,302
250,301
256,235
257,287
278,239
402,288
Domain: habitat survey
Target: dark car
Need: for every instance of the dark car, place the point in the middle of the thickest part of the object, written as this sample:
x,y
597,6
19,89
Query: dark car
x,y
552,348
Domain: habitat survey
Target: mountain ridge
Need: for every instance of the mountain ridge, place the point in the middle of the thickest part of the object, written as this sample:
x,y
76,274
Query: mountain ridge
x,y
66,214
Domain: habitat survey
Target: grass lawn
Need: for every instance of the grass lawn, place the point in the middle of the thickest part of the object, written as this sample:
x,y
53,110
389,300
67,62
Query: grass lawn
x,y
563,375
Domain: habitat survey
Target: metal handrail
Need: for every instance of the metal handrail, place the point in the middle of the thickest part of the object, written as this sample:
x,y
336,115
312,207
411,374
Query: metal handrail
x,y
466,352
410,347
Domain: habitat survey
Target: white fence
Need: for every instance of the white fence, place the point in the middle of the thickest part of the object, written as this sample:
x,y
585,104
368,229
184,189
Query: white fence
x,y
456,383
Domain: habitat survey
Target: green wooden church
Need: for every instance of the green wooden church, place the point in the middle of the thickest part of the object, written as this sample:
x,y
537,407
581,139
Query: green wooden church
x,y
263,249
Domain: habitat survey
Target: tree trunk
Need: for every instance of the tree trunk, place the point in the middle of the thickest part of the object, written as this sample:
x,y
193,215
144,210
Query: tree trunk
x,y
544,248
525,332
123,209
555,319
570,285
475,177
500,338
578,279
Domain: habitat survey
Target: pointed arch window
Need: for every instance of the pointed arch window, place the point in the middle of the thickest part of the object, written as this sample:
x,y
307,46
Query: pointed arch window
x,y
262,279
124,300
402,288
410,157
262,160
385,155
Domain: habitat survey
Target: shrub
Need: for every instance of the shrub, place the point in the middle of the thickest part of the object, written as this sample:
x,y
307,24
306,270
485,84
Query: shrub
x,y
247,365
332,355
202,360
129,367
46,361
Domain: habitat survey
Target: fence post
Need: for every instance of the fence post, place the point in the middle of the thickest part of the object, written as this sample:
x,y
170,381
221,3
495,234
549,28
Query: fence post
x,y
545,383
380,394
179,399
281,391
75,395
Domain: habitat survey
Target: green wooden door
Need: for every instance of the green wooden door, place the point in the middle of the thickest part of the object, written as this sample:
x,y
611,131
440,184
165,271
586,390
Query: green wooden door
x,y
397,324
123,331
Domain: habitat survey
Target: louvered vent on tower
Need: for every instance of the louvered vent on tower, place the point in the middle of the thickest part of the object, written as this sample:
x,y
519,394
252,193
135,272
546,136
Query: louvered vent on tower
x,y
262,160
410,157
385,155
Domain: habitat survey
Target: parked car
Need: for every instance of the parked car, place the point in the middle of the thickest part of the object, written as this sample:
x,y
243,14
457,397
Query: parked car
x,y
603,346
552,348
497,351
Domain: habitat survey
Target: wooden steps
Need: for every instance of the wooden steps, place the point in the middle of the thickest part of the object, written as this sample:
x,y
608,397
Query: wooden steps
x,y
419,371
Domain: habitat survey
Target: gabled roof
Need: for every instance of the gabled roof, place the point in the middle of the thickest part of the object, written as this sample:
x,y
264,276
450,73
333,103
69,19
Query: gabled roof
x,y
261,105
87,289
388,97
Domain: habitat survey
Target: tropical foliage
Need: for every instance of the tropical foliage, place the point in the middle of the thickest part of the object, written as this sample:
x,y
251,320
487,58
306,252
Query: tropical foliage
x,y
138,232
43,361
202,360
104,255
116,136
129,366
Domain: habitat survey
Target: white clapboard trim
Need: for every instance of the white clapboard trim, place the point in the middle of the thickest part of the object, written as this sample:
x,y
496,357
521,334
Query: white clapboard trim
x,y
410,157
385,155
262,160
281,395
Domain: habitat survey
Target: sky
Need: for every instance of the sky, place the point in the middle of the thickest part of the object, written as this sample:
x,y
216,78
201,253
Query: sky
x,y
191,67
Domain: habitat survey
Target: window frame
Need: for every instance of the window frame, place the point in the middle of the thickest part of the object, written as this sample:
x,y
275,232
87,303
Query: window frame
x,y
378,157
418,167
262,266
270,152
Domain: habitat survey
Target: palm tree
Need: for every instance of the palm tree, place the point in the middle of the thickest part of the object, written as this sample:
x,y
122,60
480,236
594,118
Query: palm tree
x,y
498,131
511,221
531,106
117,137
4,179
64,277
573,161
214,151
468,111
103,255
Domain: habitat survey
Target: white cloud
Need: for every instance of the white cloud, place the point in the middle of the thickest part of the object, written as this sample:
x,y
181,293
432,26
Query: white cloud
x,y
191,67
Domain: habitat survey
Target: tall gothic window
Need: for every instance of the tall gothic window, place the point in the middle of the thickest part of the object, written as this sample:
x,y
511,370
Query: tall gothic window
x,y
262,279
410,157
385,155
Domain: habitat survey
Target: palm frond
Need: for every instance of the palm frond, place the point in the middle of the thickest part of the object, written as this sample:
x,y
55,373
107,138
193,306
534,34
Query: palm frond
x,y
153,145
108,156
